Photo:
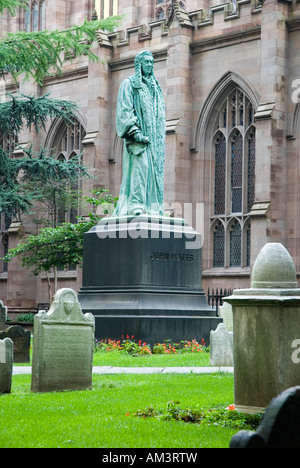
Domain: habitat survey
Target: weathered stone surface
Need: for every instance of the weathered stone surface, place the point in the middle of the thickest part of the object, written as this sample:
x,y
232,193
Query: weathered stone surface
x,y
3,315
142,276
63,346
274,268
221,347
225,312
6,365
266,331
21,342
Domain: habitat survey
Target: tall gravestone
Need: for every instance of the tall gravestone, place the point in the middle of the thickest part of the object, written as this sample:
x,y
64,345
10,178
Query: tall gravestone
x,y
63,346
141,269
221,347
225,312
3,315
6,365
266,330
21,342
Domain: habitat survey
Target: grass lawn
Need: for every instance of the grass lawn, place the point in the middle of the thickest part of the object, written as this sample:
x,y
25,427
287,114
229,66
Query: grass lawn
x,y
124,410
105,417
121,359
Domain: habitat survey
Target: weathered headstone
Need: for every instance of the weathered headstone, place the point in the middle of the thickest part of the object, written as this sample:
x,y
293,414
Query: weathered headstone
x,y
21,342
63,346
6,365
225,312
221,347
279,427
3,315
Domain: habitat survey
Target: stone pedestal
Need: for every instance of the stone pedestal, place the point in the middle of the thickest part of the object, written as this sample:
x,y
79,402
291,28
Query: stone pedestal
x,y
142,278
266,331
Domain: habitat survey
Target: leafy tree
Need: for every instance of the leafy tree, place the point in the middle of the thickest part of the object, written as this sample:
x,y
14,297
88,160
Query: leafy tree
x,y
33,55
36,55
58,247
21,179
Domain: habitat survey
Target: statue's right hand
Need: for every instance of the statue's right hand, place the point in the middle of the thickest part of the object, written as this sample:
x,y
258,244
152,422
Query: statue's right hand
x,y
141,138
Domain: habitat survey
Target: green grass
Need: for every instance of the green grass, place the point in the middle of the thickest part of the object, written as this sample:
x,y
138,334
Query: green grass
x,y
106,415
121,359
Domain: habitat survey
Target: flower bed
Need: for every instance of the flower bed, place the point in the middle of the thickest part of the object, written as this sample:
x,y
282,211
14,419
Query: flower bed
x,y
130,346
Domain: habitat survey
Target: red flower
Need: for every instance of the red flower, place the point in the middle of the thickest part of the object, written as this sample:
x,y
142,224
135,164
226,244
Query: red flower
x,y
231,407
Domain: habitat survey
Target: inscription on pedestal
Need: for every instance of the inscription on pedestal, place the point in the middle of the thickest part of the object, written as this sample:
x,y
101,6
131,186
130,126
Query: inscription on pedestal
x,y
172,257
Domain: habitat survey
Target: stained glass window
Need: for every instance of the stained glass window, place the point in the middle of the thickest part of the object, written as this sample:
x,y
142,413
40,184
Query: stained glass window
x,y
69,144
236,173
235,244
220,174
248,244
219,244
251,170
164,8
234,181
106,8
35,16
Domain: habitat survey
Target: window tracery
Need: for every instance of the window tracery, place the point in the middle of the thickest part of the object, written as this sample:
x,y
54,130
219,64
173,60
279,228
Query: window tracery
x,y
234,181
68,144
163,8
35,16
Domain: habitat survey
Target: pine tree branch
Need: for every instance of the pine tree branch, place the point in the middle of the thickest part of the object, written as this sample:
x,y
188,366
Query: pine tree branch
x,y
34,54
12,5
33,111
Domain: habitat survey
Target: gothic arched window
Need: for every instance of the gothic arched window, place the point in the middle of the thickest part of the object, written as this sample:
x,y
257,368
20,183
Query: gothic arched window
x,y
35,16
68,144
234,181
220,174
163,8
106,8
219,245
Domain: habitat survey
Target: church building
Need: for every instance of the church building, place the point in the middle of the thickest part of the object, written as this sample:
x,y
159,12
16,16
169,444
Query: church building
x,y
230,74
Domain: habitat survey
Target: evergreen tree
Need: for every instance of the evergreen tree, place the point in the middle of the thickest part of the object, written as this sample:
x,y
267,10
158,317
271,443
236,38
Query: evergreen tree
x,y
36,53
32,55
60,246
21,178
24,181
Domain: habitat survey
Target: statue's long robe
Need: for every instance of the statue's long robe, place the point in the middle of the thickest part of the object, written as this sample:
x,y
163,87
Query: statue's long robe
x,y
141,109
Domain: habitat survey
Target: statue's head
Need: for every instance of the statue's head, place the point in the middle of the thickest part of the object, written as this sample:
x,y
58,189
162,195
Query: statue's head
x,y
143,65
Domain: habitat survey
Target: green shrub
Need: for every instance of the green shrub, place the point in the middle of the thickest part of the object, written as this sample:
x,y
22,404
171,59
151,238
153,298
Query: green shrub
x,y
27,317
